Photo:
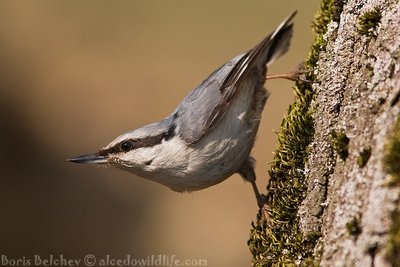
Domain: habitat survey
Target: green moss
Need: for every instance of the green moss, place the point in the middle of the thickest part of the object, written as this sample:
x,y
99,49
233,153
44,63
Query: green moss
x,y
368,22
310,262
391,160
330,11
353,227
340,143
393,244
281,242
392,166
363,158
314,236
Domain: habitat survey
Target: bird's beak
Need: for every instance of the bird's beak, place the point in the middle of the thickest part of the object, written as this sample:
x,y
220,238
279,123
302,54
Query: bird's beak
x,y
90,158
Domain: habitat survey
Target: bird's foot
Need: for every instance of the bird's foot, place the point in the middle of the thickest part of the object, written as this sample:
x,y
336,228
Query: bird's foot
x,y
297,75
264,209
261,200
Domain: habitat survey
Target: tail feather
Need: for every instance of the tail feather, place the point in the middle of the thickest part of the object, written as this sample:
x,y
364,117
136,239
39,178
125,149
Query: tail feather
x,y
266,52
280,40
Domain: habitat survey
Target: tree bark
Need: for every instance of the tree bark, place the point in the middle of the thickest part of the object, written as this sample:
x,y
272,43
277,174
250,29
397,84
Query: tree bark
x,y
338,205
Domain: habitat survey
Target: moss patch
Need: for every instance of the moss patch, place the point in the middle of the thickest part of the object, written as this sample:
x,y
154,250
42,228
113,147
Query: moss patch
x,y
281,242
353,227
393,245
340,143
391,160
391,164
368,22
363,158
330,11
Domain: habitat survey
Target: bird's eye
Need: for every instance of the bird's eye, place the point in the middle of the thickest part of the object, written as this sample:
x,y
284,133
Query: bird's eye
x,y
126,146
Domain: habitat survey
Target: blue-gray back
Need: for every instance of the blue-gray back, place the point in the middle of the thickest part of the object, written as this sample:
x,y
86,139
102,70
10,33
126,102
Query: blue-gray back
x,y
204,104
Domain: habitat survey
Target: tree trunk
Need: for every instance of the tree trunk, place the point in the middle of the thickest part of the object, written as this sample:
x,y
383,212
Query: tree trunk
x,y
335,181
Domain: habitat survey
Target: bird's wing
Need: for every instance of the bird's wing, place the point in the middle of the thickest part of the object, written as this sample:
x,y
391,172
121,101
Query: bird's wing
x,y
205,106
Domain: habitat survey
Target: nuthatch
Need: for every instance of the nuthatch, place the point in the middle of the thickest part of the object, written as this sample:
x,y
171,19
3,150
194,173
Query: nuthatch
x,y
210,135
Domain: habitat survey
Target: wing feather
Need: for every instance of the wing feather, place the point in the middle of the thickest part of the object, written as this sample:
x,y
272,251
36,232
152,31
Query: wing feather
x,y
206,105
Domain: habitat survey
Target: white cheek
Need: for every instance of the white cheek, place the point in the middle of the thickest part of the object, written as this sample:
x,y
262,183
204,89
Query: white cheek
x,y
145,154
168,157
139,157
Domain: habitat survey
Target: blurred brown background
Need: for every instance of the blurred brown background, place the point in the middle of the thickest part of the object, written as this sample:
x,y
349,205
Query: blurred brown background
x,y
75,74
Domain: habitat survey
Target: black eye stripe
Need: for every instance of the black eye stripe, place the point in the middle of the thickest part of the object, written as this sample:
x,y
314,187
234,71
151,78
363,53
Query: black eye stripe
x,y
130,144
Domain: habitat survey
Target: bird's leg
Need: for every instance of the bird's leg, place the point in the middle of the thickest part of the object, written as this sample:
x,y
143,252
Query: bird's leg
x,y
248,174
261,198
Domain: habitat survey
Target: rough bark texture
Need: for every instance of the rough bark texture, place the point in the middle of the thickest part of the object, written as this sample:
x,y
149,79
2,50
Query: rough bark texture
x,y
359,77
346,211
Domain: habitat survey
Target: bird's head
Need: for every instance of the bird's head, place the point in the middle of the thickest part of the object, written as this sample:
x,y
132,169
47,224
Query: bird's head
x,y
133,151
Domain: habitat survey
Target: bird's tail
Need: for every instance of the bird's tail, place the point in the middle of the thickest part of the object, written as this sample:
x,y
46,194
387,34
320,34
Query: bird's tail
x,y
264,53
279,40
